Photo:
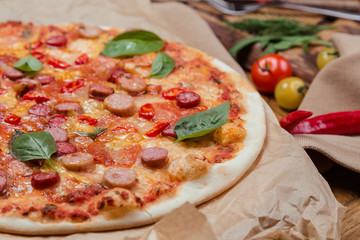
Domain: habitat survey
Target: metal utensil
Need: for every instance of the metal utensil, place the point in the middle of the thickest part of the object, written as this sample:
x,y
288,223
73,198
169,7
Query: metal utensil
x,y
238,8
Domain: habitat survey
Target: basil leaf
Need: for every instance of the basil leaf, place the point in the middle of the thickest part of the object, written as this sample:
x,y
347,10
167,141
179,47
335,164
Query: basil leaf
x,y
15,135
28,64
133,43
96,133
33,145
201,123
162,65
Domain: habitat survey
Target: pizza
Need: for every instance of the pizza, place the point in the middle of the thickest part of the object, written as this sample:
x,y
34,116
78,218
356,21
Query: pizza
x,y
103,129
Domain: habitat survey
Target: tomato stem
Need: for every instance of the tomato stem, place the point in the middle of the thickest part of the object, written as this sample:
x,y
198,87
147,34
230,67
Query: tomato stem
x,y
302,89
334,54
266,68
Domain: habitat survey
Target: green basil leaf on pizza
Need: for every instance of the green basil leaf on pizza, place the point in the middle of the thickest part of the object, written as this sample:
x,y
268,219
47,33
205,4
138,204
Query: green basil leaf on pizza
x,y
33,145
199,124
162,66
28,64
131,43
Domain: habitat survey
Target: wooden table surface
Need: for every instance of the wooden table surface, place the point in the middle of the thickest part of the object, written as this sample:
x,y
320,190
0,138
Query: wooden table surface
x,y
343,182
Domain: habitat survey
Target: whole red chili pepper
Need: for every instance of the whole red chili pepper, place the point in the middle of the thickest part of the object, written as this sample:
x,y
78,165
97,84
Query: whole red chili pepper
x,y
292,119
157,129
340,123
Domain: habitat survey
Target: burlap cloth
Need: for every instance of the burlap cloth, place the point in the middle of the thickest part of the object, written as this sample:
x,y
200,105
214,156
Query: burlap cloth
x,y
336,88
282,196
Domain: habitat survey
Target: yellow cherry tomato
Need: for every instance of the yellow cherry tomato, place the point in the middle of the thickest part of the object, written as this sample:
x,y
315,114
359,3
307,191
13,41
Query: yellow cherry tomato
x,y
325,56
289,92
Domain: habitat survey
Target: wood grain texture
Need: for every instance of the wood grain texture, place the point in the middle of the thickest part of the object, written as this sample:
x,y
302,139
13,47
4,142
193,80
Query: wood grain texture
x,y
343,182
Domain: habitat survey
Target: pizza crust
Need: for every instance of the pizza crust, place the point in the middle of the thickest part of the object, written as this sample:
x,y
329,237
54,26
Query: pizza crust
x,y
218,179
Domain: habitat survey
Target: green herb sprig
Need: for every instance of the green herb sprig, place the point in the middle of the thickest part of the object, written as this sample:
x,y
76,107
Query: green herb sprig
x,y
32,145
94,135
28,63
278,34
201,123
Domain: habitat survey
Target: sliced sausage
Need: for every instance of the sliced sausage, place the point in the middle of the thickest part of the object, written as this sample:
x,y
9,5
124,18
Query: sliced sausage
x,y
89,31
118,72
45,79
41,110
66,108
78,161
56,121
131,83
59,134
44,180
64,148
119,177
188,99
156,157
120,104
169,131
56,41
3,184
13,74
100,91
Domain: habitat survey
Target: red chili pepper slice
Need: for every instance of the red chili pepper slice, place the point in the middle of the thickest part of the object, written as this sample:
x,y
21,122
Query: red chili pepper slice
x,y
56,63
171,93
292,119
12,119
37,54
147,111
72,86
338,123
33,95
82,59
88,120
157,129
34,45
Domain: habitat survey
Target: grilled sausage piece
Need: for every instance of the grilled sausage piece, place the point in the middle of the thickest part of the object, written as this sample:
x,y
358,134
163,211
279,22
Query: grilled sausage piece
x,y
100,91
120,104
59,134
78,161
119,177
87,31
65,108
44,180
44,79
13,74
155,157
131,83
188,99
64,148
41,110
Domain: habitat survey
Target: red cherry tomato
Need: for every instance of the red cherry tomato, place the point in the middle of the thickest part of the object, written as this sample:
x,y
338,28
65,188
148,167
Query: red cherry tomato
x,y
12,119
87,120
33,95
56,63
267,71
171,93
157,129
72,86
34,45
147,111
82,59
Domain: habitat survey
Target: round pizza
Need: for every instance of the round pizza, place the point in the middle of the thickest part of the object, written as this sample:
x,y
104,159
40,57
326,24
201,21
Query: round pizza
x,y
107,129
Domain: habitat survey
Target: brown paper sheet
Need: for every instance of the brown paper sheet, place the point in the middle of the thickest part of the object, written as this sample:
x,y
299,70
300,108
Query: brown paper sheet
x,y
282,196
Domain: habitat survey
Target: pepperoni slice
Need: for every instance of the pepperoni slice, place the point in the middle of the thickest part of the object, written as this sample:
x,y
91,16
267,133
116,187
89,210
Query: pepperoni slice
x,y
169,131
188,99
57,120
59,134
66,108
64,148
119,177
45,79
155,157
41,110
57,41
44,180
13,74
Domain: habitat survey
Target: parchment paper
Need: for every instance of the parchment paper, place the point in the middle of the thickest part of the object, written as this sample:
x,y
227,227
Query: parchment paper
x,y
282,196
